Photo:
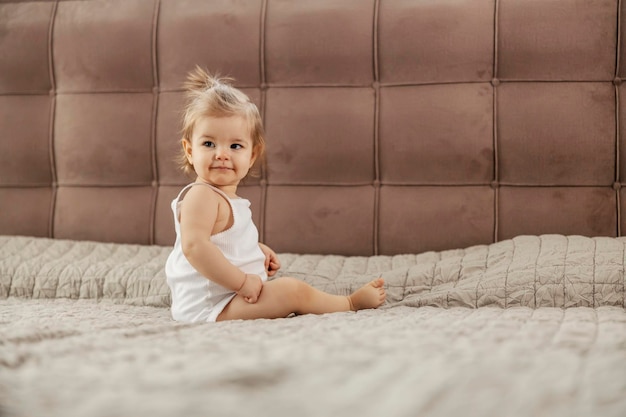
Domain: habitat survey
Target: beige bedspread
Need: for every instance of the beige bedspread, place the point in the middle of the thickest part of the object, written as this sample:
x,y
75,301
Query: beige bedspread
x,y
84,331
533,271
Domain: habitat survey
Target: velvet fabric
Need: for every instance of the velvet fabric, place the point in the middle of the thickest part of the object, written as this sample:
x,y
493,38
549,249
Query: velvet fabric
x,y
393,126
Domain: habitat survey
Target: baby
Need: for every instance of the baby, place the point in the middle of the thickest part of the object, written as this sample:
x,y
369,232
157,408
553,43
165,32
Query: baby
x,y
218,270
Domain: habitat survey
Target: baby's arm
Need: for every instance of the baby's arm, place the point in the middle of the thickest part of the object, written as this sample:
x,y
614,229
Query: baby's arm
x,y
272,264
198,216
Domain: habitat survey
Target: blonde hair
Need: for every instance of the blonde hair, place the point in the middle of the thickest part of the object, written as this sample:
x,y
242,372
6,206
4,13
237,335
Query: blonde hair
x,y
214,96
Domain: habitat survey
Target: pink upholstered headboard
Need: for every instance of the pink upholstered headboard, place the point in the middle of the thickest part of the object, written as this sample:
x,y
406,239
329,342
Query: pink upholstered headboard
x,y
393,126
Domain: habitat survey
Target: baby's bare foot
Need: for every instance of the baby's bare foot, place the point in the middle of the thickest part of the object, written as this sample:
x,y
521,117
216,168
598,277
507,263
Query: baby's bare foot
x,y
371,295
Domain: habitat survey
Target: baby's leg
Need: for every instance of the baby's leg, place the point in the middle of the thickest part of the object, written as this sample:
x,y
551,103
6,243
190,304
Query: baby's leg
x,y
284,296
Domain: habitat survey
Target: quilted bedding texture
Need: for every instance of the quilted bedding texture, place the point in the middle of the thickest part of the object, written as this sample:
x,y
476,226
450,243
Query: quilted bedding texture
x,y
83,358
531,271
84,332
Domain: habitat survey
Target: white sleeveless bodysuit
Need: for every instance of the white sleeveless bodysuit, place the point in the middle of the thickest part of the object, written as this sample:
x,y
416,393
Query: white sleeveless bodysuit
x,y
196,298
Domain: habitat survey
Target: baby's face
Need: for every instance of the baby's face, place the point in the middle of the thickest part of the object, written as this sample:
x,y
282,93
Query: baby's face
x,y
221,150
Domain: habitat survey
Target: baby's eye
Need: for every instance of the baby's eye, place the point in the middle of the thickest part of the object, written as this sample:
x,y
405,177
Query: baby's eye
x,y
236,146
208,144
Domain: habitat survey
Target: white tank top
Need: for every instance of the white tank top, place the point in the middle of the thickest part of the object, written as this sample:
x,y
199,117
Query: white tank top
x,y
196,298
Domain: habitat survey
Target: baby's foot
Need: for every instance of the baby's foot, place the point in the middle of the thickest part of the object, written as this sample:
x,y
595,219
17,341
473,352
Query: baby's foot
x,y
371,295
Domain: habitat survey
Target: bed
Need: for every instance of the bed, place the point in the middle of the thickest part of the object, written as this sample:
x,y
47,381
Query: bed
x,y
469,152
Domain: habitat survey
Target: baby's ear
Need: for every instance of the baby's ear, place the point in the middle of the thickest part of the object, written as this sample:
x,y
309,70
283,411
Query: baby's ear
x,y
187,148
255,154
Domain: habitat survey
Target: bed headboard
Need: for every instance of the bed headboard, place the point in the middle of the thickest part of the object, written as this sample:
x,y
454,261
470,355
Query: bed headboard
x,y
393,126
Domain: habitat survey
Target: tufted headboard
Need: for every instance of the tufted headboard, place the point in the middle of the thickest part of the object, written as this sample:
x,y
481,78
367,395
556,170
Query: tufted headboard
x,y
393,126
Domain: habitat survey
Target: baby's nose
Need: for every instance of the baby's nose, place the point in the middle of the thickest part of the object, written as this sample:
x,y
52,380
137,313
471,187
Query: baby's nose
x,y
222,153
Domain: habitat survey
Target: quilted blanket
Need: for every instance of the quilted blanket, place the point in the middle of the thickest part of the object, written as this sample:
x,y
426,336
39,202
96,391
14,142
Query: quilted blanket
x,y
85,331
532,271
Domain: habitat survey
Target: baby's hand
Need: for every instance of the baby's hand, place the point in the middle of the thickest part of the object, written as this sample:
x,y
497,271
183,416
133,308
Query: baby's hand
x,y
251,289
272,264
